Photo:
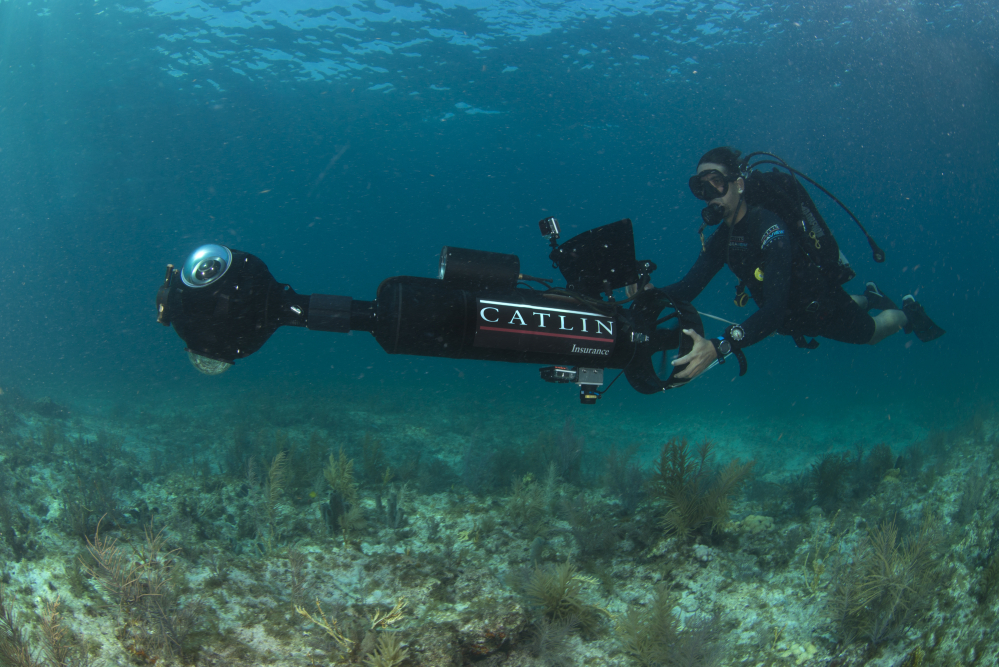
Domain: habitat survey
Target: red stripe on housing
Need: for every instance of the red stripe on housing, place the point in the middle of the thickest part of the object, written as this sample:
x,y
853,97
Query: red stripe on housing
x,y
545,333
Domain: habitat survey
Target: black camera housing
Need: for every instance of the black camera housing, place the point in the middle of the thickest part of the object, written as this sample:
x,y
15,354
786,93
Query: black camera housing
x,y
476,309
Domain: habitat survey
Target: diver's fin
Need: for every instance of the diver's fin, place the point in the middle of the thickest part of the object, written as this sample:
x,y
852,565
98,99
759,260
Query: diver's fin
x,y
919,322
876,300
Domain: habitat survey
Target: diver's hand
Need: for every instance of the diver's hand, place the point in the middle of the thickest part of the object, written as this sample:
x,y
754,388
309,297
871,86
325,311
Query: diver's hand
x,y
698,359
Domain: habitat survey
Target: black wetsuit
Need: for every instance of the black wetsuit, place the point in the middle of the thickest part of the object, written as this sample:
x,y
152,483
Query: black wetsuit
x,y
793,296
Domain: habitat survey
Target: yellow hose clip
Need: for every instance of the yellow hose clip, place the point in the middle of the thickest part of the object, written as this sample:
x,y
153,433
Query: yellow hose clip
x,y
811,235
759,274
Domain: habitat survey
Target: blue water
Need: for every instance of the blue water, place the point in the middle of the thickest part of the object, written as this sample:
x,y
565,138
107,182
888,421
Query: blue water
x,y
344,143
347,143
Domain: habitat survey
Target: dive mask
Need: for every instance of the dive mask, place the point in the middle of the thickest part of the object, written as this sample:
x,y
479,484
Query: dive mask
x,y
709,184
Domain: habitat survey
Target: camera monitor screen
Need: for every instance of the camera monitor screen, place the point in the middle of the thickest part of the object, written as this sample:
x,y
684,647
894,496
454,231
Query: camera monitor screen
x,y
598,256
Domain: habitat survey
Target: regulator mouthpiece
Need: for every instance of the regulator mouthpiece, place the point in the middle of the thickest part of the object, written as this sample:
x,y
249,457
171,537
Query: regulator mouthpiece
x,y
713,214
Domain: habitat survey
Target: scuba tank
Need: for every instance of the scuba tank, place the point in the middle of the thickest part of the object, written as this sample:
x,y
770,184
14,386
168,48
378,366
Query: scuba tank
x,y
780,192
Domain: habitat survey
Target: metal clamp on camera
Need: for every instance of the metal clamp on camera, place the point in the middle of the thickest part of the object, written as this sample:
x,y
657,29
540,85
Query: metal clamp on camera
x,y
588,379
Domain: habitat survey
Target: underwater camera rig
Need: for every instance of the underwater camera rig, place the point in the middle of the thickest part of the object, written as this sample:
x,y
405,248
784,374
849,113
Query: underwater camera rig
x,y
225,304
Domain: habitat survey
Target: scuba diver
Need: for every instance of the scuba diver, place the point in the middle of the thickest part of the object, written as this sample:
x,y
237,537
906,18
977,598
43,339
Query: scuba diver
x,y
784,267
225,304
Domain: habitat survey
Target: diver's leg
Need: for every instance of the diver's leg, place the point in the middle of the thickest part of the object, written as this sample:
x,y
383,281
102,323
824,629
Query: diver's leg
x,y
886,323
875,299
860,300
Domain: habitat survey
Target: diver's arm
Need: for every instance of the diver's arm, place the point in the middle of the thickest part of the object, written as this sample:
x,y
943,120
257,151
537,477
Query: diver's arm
x,y
778,257
704,269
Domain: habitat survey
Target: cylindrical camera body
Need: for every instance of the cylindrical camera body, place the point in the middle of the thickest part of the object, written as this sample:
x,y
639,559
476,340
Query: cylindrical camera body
x,y
427,317
478,269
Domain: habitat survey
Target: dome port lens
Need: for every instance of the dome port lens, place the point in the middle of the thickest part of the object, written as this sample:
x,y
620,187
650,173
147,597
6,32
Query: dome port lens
x,y
206,265
207,270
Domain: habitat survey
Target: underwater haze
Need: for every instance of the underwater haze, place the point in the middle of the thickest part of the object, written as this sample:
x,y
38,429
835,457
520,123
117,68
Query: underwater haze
x,y
347,142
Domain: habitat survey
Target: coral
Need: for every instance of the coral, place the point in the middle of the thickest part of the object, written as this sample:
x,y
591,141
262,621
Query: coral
x,y
391,511
339,474
914,659
93,498
116,574
975,486
531,502
868,471
52,435
144,588
564,451
880,460
497,467
990,578
332,628
839,477
647,634
887,587
749,572
296,570
478,468
276,478
352,521
595,534
237,456
556,591
46,407
828,479
798,492
821,555
382,619
653,636
912,460
435,475
14,648
800,653
373,459
59,647
388,653
693,495
17,528
219,566
341,512
550,641
624,478
755,524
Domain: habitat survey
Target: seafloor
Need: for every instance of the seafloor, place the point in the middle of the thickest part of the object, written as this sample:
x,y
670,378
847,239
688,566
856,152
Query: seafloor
x,y
273,530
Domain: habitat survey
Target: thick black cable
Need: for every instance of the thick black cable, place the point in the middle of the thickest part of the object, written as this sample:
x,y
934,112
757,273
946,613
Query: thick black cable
x,y
616,377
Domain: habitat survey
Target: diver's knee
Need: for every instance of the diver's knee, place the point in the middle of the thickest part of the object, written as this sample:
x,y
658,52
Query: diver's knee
x,y
887,323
